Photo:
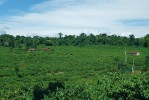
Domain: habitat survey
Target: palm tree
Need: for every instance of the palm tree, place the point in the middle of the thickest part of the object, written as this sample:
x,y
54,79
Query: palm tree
x,y
60,35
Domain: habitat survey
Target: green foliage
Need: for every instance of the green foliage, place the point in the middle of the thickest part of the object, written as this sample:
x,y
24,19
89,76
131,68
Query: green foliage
x,y
112,86
131,40
126,87
82,40
39,92
146,63
146,41
70,72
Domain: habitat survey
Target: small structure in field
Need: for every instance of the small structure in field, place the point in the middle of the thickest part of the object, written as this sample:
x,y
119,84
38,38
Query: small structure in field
x,y
31,49
134,53
45,49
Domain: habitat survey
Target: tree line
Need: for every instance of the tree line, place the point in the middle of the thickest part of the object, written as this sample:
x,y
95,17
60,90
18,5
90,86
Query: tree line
x,y
72,40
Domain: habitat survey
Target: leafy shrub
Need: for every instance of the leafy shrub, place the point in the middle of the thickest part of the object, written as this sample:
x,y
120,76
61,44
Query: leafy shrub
x,y
53,86
39,92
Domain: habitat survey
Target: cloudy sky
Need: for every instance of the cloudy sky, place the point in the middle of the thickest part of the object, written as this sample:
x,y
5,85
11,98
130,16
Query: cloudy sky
x,y
49,17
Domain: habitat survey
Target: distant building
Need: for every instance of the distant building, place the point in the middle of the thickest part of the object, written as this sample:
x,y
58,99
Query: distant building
x,y
134,53
45,49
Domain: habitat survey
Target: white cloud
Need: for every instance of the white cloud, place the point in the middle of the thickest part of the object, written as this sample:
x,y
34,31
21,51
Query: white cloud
x,y
4,27
74,17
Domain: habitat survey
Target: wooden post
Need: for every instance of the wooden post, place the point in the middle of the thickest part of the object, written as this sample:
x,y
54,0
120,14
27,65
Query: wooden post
x,y
125,56
133,64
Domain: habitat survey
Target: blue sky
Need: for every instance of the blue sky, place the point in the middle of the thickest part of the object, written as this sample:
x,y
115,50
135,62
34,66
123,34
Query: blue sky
x,y
49,17
9,7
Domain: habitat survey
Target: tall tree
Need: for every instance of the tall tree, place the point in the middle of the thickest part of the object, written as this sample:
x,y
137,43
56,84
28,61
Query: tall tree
x,y
131,40
60,35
